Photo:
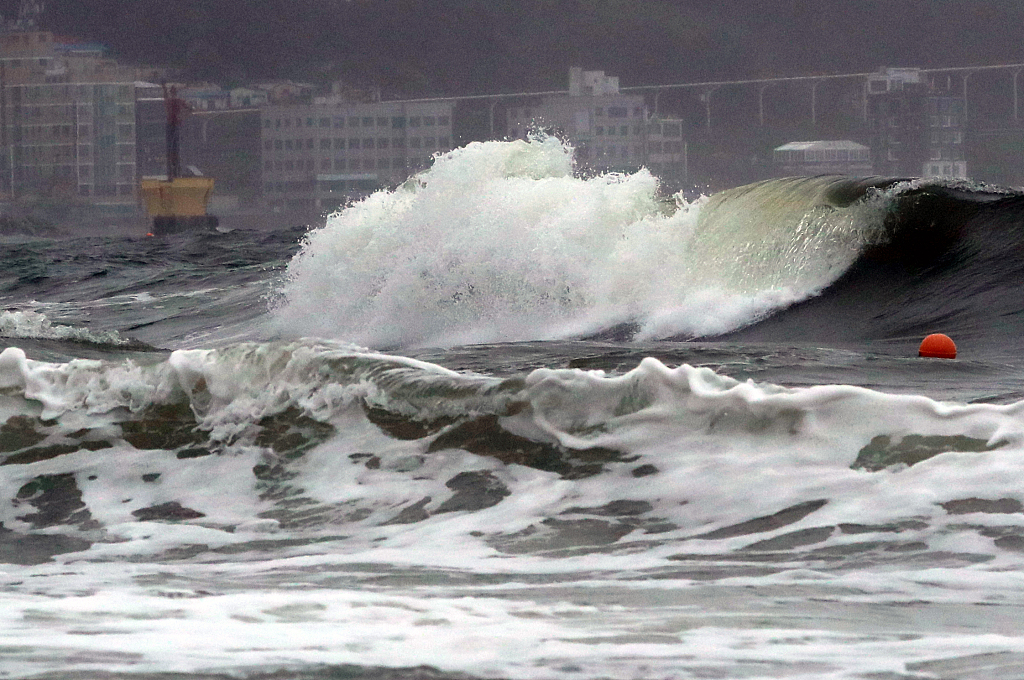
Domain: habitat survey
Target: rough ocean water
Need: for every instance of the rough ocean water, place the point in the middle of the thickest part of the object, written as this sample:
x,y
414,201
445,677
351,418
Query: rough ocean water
x,y
508,422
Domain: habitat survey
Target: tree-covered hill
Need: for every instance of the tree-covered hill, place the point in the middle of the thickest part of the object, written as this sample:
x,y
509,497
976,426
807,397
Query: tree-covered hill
x,y
412,47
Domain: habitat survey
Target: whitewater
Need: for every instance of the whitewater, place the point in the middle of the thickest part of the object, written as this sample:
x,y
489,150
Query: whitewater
x,y
510,421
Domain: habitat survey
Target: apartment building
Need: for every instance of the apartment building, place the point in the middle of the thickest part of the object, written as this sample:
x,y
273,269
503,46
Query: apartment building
x,y
666,150
610,131
67,121
917,125
607,128
318,156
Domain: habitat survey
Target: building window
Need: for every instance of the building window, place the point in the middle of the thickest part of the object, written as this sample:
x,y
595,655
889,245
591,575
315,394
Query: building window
x,y
398,142
353,163
339,163
382,142
599,130
398,122
623,130
288,144
339,122
443,120
339,143
414,121
383,163
353,143
325,122
325,164
442,142
611,129
429,121
618,111
367,142
353,122
415,142
367,121
309,122
599,112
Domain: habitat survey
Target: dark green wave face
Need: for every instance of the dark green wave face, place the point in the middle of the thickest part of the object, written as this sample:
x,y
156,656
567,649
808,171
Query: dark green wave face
x,y
936,255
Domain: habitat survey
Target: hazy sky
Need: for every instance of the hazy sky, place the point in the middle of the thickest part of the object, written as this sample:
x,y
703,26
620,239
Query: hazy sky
x,y
466,46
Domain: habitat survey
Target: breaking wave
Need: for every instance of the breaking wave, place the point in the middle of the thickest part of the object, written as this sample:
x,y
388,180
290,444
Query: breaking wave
x,y
500,241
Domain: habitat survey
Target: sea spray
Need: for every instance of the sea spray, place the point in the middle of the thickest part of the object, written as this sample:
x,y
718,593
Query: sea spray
x,y
500,241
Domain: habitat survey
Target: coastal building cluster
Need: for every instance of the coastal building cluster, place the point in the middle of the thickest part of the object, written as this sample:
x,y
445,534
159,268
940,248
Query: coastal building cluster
x,y
77,125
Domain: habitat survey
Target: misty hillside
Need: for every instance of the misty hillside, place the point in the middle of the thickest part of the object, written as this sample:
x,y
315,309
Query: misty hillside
x,y
412,47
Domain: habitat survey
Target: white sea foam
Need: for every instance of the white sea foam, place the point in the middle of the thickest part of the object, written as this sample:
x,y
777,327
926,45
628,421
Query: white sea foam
x,y
262,593
27,324
499,241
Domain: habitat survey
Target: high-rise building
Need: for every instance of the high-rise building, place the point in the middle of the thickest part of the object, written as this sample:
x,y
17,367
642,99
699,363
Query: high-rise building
x,y
67,121
917,127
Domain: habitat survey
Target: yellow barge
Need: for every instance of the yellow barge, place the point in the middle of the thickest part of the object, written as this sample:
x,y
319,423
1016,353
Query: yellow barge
x,y
177,204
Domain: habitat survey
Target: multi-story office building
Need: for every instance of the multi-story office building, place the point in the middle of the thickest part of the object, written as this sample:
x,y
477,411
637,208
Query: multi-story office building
x,y
917,129
317,156
67,121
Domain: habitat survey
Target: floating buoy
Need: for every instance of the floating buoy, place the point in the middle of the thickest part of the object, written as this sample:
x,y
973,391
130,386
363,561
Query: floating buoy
x,y
937,346
149,233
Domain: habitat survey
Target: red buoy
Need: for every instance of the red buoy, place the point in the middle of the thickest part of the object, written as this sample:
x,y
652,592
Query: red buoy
x,y
937,346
